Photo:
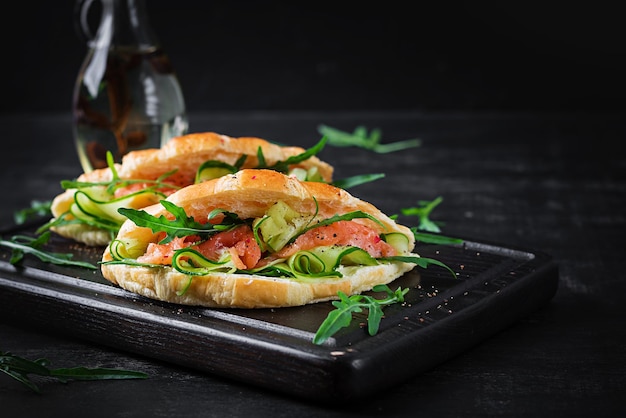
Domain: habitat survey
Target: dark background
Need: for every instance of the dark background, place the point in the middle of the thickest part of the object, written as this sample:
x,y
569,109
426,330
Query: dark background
x,y
270,55
555,183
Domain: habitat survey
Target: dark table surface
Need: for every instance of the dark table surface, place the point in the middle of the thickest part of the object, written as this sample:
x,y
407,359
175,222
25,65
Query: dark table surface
x,y
552,182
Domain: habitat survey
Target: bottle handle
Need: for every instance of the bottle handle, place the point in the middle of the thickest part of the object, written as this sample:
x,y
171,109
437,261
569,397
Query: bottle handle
x,y
81,23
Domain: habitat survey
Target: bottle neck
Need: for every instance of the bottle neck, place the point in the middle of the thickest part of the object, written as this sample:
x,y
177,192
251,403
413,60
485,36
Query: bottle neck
x,y
131,27
120,24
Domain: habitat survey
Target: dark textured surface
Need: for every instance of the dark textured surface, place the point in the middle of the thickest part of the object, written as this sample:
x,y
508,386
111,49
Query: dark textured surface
x,y
552,182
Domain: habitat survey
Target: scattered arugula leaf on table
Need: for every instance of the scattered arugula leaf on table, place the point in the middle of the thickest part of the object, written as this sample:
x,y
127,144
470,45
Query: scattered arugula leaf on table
x,y
20,368
439,239
432,228
37,208
362,139
423,212
349,182
347,305
22,244
422,262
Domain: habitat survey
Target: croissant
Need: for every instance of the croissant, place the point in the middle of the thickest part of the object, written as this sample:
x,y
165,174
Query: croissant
x,y
257,239
153,174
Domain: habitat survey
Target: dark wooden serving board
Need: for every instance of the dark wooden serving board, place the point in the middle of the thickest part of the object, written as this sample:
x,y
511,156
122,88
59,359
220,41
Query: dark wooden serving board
x,y
273,348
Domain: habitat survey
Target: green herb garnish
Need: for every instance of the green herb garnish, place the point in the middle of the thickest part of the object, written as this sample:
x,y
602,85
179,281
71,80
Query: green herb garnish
x,y
349,182
423,212
116,182
37,208
283,166
20,368
422,262
347,305
21,244
360,138
216,168
434,238
182,225
95,203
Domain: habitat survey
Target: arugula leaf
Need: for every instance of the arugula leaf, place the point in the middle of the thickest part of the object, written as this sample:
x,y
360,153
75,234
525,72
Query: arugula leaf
x,y
84,373
37,208
283,166
182,225
347,305
21,244
422,262
19,368
360,138
434,238
349,182
116,182
425,224
423,212
216,168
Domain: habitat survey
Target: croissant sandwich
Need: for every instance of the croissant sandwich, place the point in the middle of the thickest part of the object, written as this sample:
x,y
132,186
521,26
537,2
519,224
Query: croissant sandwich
x,y
256,239
87,210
